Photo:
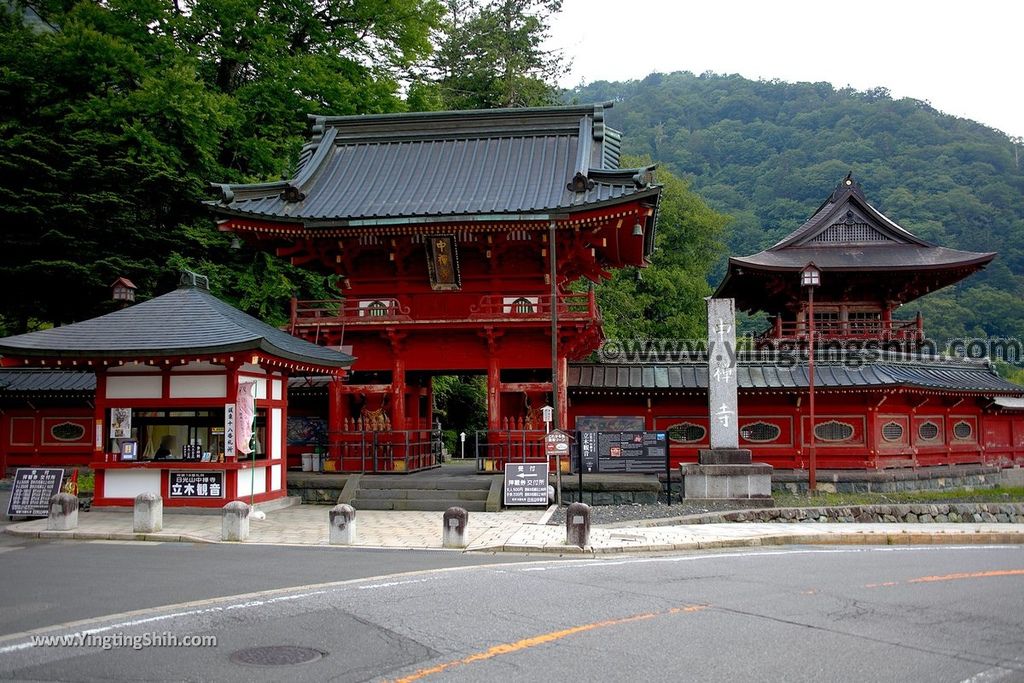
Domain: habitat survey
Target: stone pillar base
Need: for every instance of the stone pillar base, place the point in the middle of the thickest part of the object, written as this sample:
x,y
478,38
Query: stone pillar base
x,y
725,482
724,456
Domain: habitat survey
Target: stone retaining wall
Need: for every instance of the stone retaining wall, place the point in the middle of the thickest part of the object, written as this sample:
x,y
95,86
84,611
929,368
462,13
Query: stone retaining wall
x,y
888,481
917,512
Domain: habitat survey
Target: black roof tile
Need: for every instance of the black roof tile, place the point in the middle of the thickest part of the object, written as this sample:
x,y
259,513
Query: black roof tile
x,y
188,320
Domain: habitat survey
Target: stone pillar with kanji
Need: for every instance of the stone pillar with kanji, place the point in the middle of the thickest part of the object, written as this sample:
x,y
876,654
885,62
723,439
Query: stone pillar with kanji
x,y
724,471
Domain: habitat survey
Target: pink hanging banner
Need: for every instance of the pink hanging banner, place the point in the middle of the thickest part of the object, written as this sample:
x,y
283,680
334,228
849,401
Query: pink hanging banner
x,y
246,412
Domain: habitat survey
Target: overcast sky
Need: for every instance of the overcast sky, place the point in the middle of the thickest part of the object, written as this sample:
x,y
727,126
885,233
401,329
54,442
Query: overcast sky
x,y
963,57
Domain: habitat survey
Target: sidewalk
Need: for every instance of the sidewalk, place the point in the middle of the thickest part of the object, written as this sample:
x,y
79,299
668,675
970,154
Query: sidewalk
x,y
519,531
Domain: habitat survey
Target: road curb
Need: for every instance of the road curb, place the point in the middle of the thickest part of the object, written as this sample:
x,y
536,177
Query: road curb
x,y
109,536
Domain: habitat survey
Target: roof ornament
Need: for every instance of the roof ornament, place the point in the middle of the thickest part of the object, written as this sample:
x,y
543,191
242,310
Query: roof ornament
x,y
580,183
190,279
643,179
293,194
227,195
848,183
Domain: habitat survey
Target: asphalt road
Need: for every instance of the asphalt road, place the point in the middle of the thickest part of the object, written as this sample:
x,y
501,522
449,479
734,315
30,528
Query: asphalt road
x,y
798,614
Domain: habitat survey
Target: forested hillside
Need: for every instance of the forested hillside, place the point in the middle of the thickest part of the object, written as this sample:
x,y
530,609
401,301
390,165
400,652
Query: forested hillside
x,y
768,153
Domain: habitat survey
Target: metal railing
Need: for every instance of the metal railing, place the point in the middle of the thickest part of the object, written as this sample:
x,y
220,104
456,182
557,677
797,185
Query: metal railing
x,y
495,448
385,451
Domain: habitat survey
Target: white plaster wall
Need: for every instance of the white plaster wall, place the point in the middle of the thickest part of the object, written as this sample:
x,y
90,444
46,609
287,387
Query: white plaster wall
x,y
261,386
275,390
278,432
199,386
133,368
275,478
130,483
134,387
193,366
245,481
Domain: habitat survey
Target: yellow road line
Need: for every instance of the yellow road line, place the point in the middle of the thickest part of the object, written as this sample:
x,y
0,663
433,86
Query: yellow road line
x,y
534,641
951,577
968,575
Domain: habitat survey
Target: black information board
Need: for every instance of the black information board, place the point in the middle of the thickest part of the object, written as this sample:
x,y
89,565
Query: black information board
x,y
643,452
195,484
526,483
32,489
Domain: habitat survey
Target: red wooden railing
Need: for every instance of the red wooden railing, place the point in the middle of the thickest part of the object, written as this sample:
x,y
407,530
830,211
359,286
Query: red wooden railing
x,y
573,306
860,330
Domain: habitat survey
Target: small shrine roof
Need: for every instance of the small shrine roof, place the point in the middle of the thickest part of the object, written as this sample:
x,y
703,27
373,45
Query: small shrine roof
x,y
34,381
503,163
942,374
187,321
847,234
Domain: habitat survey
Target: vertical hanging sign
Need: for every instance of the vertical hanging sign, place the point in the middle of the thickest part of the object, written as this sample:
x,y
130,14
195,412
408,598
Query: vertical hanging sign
x,y
722,405
229,430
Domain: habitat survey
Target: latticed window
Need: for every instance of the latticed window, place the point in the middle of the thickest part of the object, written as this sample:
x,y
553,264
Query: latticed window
x,y
833,430
377,309
928,431
686,432
849,233
522,305
760,432
963,430
892,431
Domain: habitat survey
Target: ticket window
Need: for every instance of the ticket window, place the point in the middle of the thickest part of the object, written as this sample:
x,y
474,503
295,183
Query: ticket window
x,y
167,433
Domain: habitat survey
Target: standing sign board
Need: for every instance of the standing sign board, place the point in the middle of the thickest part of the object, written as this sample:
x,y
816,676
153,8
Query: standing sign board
x,y
32,489
642,452
526,483
195,484
556,443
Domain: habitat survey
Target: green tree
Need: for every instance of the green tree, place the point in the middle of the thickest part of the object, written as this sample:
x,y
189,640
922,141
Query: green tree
x,y
664,300
491,55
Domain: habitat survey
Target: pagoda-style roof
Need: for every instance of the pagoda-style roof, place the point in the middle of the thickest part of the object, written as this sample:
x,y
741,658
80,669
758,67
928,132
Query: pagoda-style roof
x,y
502,164
187,322
947,375
878,259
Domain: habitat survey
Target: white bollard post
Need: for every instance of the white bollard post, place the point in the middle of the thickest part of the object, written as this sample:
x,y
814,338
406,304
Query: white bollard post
x,y
235,521
148,514
342,525
63,512
456,520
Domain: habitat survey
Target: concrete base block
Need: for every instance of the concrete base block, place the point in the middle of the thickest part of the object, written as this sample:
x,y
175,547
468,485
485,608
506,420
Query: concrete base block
x,y
343,525
148,513
63,512
235,521
727,481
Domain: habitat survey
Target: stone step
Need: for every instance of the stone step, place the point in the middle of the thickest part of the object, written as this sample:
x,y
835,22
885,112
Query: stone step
x,y
418,504
368,481
423,494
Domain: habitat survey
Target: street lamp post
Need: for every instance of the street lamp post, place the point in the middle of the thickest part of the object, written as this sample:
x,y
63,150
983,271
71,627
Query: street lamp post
x,y
810,277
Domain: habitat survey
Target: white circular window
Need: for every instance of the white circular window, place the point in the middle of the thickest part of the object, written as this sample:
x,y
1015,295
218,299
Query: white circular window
x,y
833,431
963,430
686,432
760,432
892,431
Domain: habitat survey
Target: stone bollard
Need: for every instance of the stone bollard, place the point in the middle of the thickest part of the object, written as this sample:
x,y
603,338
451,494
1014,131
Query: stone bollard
x,y
577,525
343,525
148,514
63,512
453,535
235,521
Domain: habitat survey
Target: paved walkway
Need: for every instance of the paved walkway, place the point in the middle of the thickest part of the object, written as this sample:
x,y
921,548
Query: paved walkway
x,y
518,531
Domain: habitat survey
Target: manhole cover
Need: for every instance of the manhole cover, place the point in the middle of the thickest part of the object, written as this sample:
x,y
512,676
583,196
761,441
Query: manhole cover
x,y
276,655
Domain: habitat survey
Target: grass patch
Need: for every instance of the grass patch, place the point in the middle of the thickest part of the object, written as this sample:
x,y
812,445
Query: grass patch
x,y
994,495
